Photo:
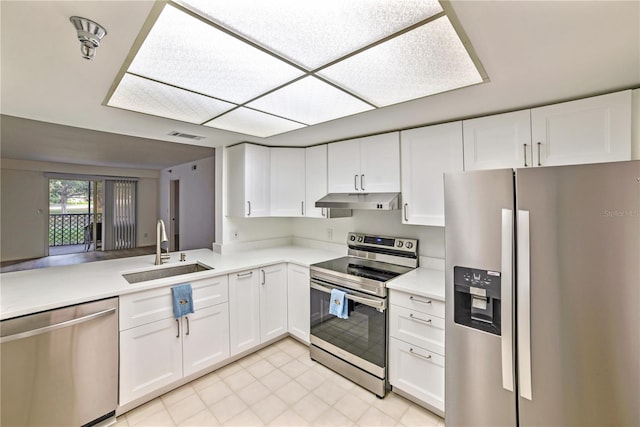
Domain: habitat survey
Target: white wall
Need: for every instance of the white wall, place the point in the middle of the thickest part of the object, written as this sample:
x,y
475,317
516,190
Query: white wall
x,y
24,204
386,223
197,201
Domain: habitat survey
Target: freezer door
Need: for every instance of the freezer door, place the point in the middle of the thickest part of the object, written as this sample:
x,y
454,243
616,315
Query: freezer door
x,y
579,295
479,365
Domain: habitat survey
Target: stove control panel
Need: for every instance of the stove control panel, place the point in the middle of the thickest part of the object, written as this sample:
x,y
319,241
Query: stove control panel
x,y
396,244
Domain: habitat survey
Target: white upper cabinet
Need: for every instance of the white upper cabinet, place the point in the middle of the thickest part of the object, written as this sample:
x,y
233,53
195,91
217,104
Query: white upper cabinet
x,y
287,182
248,180
590,130
427,154
500,141
365,165
315,180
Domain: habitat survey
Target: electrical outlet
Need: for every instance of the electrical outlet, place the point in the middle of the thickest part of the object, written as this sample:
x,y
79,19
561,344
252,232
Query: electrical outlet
x,y
235,235
330,233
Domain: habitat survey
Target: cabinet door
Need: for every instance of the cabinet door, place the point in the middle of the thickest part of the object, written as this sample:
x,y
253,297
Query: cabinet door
x,y
343,166
499,141
590,130
257,180
417,372
287,181
380,163
150,358
316,180
205,338
427,154
273,301
298,301
244,311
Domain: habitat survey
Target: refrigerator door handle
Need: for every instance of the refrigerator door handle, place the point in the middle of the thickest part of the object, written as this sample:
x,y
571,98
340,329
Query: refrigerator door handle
x,y
507,299
524,305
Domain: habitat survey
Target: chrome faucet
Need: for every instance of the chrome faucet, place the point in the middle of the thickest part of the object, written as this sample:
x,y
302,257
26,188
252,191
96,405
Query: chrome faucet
x,y
161,236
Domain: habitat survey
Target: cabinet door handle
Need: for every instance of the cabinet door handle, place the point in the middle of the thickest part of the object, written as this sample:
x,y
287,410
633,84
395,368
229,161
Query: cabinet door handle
x,y
322,212
428,357
355,181
419,319
245,274
249,208
412,298
188,328
264,277
362,182
525,155
178,323
539,144
406,205
302,208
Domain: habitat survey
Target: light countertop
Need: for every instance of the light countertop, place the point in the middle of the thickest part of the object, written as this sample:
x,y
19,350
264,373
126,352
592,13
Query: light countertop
x,y
31,291
426,282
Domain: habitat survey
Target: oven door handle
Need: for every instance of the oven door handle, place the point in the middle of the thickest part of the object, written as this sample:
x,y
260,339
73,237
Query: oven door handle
x,y
380,305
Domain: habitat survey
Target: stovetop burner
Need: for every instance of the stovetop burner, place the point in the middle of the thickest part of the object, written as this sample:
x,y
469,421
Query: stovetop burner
x,y
372,261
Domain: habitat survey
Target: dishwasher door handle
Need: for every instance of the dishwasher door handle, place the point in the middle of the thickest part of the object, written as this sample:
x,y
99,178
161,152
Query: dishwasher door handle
x,y
60,325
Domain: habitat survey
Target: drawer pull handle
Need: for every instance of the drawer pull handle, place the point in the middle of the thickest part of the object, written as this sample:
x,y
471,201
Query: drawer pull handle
x,y
412,298
245,274
419,355
419,319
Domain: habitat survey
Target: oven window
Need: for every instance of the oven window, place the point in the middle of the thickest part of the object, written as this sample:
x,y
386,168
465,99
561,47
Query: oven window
x,y
363,334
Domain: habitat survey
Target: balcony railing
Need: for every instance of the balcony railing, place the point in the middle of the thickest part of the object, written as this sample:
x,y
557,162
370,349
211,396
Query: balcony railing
x,y
68,229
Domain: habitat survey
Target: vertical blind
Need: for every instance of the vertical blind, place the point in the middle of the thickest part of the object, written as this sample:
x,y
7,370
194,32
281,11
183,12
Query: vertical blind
x,y
119,213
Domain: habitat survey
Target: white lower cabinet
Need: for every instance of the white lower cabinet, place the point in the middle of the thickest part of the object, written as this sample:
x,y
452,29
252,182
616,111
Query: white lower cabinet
x,y
416,348
257,306
417,372
298,301
157,350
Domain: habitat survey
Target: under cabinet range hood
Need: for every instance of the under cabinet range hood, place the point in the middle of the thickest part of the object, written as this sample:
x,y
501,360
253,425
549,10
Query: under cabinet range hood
x,y
369,201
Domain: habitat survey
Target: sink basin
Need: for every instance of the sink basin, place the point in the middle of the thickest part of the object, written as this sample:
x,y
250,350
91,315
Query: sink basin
x,y
159,273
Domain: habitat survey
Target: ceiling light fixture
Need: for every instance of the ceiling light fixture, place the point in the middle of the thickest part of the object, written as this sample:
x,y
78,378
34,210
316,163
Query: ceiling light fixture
x,y
90,34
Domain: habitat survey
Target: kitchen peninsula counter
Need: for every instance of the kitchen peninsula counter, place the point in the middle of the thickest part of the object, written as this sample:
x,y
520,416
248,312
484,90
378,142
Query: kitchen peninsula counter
x,y
31,291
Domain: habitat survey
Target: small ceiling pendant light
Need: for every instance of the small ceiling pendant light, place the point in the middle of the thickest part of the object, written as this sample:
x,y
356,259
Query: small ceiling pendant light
x,y
89,33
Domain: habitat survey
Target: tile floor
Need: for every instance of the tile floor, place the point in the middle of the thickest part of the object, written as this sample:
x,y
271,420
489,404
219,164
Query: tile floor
x,y
277,386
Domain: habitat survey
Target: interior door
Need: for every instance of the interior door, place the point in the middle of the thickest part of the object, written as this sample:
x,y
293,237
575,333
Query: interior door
x,y
580,366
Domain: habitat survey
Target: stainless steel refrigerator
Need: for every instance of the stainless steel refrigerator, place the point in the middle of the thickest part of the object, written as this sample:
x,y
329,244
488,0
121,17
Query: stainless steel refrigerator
x,y
543,296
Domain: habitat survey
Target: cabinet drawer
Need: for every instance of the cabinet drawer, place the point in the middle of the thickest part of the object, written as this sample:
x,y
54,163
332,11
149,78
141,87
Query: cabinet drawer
x,y
417,328
211,291
418,303
149,306
417,372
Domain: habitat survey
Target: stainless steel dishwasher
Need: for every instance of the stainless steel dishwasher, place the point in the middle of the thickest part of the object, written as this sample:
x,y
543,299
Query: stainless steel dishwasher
x,y
60,367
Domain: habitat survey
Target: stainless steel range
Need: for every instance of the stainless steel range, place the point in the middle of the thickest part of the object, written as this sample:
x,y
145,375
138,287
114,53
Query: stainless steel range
x,y
356,347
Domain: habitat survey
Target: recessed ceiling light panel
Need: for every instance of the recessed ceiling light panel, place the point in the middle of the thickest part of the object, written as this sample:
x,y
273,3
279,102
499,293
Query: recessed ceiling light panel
x,y
313,33
251,122
146,96
427,60
310,100
184,51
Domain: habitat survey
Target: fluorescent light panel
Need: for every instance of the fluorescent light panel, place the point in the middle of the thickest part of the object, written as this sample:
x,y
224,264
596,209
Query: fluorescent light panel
x,y
314,33
428,60
186,52
146,96
251,122
310,101
195,54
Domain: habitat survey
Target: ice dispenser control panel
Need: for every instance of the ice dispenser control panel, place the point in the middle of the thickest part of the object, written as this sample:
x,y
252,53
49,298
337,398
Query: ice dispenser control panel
x,y
477,298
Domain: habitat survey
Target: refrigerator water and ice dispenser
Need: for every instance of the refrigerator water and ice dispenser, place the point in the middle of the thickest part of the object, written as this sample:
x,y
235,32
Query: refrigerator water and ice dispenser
x,y
477,298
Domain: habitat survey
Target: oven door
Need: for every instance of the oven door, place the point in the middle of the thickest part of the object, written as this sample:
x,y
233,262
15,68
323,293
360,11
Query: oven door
x,y
362,338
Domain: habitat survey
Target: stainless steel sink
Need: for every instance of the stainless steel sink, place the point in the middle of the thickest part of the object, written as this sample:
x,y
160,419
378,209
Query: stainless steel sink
x,y
145,276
